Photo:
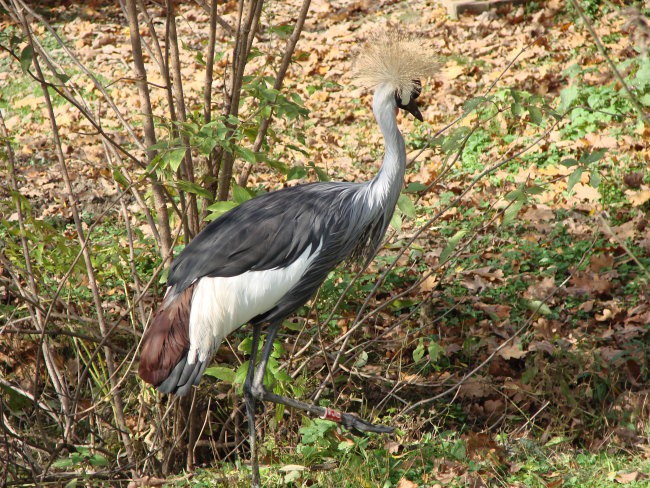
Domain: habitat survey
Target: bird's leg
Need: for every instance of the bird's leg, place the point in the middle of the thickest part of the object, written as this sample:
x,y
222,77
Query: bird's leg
x,y
258,380
249,400
258,390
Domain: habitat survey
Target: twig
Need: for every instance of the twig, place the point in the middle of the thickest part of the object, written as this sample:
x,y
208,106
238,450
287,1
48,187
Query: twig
x,y
612,66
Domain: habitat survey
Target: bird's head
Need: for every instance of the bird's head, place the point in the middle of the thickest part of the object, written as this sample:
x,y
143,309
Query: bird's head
x,y
406,100
396,61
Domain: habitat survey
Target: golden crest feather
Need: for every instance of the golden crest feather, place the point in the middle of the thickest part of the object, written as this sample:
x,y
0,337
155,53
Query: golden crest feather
x,y
395,58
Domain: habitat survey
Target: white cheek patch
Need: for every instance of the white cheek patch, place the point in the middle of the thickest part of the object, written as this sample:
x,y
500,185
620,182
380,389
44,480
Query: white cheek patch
x,y
221,305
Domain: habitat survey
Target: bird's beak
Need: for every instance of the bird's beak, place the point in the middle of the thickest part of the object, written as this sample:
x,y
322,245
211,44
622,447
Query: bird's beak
x,y
413,109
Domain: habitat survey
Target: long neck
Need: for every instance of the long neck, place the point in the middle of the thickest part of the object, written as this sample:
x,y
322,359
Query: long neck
x,y
385,187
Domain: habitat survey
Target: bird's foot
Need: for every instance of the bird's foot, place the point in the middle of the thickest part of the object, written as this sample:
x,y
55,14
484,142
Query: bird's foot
x,y
356,424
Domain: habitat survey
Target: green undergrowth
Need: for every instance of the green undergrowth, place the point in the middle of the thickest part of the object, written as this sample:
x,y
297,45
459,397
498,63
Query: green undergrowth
x,y
441,458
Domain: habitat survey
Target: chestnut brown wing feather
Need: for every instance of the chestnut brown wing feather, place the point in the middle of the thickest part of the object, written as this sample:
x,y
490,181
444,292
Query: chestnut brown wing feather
x,y
167,339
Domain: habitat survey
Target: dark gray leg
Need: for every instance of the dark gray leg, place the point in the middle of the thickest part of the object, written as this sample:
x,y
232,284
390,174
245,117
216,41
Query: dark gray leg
x,y
249,400
261,393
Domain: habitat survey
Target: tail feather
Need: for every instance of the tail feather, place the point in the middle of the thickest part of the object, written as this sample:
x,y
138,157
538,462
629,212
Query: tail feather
x,y
166,343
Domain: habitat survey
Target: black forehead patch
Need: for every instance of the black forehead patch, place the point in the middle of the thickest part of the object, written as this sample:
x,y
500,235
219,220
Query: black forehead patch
x,y
415,92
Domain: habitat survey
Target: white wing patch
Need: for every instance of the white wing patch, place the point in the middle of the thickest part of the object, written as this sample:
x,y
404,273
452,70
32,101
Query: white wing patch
x,y
221,305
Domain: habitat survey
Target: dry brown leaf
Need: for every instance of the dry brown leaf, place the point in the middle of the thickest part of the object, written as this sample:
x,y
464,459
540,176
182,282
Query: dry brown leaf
x,y
541,289
586,193
512,350
429,283
538,213
476,387
637,198
625,478
500,312
405,483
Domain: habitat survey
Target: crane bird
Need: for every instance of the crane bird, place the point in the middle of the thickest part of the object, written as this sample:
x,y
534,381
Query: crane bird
x,y
265,258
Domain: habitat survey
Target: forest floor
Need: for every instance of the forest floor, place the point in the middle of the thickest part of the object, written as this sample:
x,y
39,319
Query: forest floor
x,y
519,311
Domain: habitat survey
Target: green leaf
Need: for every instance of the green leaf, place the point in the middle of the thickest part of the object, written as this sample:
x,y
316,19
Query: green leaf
x,y
72,483
406,206
401,304
26,57
193,188
63,78
240,374
511,211
396,221
63,463
535,115
538,306
362,360
119,177
645,100
573,179
435,351
568,96
240,194
173,158
418,353
642,78
217,209
557,440
322,175
296,172
415,187
451,245
473,103
515,194
569,162
594,179
98,461
227,375
246,154
593,157
207,144
534,190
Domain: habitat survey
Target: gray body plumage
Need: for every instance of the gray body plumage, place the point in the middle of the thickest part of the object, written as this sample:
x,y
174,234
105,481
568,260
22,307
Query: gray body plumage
x,y
340,220
274,229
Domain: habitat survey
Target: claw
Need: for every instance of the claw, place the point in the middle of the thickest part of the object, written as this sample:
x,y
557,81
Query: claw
x,y
357,424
